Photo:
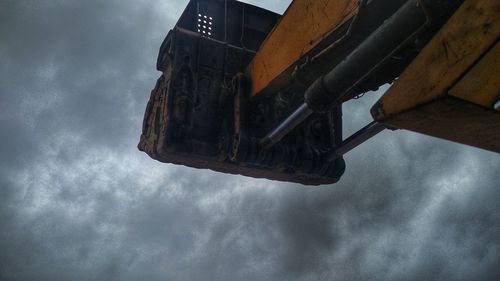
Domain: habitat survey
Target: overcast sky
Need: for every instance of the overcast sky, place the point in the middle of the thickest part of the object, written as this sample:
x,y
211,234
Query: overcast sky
x,y
78,201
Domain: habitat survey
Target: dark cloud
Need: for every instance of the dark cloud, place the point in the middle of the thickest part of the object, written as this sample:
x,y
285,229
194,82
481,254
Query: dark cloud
x,y
78,201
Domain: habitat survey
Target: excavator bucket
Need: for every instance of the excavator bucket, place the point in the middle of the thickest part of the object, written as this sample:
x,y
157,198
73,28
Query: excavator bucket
x,y
201,114
248,92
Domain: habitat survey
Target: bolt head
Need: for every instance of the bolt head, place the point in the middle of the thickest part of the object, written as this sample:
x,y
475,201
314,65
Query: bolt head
x,y
496,106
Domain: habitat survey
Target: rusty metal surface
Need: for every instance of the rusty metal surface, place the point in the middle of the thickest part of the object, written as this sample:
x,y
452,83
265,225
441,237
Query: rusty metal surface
x,y
200,114
158,131
458,62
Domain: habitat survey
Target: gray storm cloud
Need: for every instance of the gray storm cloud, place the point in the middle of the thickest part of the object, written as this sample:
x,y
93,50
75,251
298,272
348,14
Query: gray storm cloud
x,y
78,201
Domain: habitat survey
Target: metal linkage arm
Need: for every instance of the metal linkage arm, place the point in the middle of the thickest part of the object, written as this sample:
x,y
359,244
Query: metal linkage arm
x,y
356,139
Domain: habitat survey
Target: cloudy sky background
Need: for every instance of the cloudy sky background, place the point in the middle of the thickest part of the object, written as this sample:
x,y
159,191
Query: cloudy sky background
x,y
78,201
